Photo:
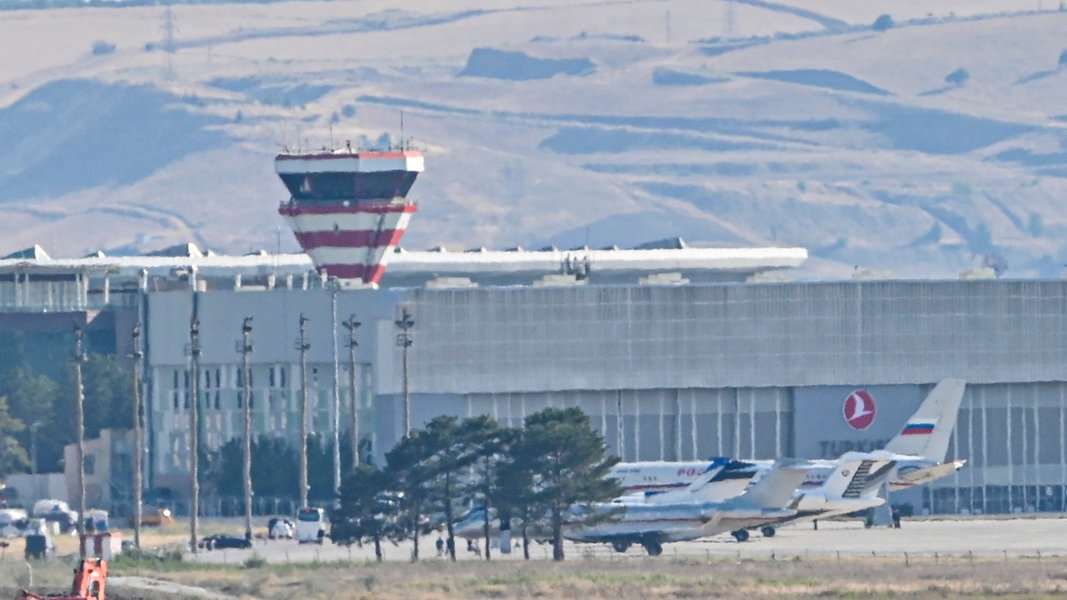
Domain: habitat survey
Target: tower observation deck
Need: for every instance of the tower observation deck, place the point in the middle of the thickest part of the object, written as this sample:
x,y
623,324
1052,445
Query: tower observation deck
x,y
349,208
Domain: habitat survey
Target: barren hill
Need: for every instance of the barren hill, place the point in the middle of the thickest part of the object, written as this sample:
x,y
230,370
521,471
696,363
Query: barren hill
x,y
926,147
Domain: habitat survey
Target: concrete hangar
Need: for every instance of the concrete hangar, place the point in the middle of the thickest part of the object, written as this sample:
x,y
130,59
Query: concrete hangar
x,y
674,353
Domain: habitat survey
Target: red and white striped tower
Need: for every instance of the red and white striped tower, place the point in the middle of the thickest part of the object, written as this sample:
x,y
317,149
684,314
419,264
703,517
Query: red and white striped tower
x,y
349,208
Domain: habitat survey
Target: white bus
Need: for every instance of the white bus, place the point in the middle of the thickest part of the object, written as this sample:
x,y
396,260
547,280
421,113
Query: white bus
x,y
310,525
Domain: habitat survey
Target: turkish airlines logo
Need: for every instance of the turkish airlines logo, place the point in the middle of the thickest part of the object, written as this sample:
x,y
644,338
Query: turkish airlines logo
x,y
859,410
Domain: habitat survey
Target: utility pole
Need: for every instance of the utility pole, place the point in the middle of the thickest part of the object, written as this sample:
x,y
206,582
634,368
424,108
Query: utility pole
x,y
246,405
351,324
33,446
194,430
138,440
79,403
303,346
403,339
336,393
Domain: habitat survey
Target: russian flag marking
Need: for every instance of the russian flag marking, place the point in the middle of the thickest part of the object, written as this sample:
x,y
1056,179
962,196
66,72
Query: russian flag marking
x,y
918,429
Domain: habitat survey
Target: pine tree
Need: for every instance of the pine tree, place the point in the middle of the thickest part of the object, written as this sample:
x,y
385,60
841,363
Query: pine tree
x,y
408,467
12,456
368,509
489,444
569,463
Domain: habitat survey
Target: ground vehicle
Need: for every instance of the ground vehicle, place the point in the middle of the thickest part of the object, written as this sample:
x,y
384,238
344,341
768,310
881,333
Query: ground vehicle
x,y
152,515
90,583
221,540
279,528
57,511
96,520
310,525
38,546
39,542
12,521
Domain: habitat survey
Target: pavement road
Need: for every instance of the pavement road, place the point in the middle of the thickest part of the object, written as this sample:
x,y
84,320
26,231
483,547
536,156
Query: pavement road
x,y
1044,536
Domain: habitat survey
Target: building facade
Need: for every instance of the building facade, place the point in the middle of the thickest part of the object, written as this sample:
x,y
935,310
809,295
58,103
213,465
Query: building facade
x,y
666,372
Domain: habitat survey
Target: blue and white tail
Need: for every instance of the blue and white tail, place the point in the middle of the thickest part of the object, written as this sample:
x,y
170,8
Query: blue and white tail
x,y
702,489
927,432
775,489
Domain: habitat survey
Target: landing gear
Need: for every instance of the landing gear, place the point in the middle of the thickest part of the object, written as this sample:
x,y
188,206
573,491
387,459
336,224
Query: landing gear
x,y
767,531
740,535
653,548
620,546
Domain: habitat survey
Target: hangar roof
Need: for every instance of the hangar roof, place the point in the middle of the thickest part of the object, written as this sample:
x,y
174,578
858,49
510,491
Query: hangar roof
x,y
407,268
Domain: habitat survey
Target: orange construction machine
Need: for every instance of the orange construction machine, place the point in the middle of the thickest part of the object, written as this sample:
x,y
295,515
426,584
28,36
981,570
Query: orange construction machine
x,y
90,583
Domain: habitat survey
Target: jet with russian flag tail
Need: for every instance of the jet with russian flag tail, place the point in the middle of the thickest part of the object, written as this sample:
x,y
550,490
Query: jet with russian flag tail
x,y
686,515
927,434
924,437
919,450
852,485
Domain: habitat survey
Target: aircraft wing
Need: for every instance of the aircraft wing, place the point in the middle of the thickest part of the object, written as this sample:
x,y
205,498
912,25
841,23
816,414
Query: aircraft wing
x,y
910,477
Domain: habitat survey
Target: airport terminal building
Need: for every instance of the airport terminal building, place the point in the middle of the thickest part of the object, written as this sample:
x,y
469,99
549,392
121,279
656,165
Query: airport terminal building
x,y
671,360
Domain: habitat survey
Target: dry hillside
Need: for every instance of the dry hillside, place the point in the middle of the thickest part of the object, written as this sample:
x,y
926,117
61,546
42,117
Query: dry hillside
x,y
925,148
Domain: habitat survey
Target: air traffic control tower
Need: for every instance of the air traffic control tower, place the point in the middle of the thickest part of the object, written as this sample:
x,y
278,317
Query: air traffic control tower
x,y
349,208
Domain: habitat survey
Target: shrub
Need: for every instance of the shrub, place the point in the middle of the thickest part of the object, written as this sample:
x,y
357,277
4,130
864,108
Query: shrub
x,y
883,22
1063,58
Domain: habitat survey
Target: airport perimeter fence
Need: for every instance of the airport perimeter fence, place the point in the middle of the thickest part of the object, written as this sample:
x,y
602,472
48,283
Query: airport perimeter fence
x,y
225,506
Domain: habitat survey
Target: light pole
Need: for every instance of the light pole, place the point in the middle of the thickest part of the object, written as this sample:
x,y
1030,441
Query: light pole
x,y
138,440
194,430
79,403
404,339
336,392
33,446
351,324
246,406
303,346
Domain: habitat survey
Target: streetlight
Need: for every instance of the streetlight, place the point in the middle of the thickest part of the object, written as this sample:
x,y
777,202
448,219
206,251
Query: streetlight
x,y
351,324
246,376
334,285
404,339
138,439
194,430
79,401
303,346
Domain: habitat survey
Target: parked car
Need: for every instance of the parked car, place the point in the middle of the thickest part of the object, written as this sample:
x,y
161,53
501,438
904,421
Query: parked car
x,y
56,511
12,522
222,540
279,528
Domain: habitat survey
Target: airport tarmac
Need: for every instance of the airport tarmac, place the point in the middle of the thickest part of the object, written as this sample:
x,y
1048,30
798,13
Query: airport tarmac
x,y
985,538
